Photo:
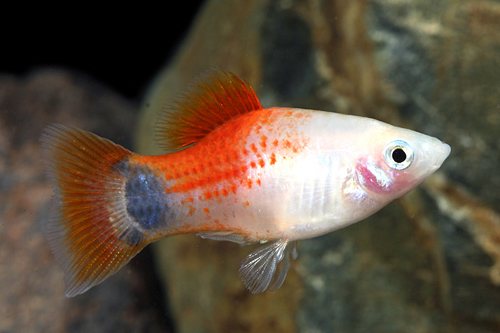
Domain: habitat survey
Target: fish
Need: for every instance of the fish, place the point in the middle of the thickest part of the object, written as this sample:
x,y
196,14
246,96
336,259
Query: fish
x,y
232,171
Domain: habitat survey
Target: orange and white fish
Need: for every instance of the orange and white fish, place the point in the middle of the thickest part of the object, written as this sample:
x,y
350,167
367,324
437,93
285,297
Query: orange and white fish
x,y
235,172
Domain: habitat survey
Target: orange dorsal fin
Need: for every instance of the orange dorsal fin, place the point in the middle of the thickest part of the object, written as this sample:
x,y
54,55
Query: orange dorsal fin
x,y
211,100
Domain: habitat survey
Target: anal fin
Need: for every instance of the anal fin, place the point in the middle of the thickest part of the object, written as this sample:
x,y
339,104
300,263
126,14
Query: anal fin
x,y
268,266
228,236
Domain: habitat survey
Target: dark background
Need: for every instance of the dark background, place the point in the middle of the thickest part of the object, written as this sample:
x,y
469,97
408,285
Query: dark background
x,y
121,47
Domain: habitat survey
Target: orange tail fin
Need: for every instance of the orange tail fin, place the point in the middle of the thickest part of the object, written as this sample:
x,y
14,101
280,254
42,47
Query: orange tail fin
x,y
91,234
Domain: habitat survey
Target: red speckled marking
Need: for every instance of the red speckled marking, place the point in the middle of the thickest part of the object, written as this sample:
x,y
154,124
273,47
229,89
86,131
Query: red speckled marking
x,y
272,160
229,159
263,139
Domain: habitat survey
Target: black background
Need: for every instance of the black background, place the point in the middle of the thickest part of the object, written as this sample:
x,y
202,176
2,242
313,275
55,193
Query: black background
x,y
121,47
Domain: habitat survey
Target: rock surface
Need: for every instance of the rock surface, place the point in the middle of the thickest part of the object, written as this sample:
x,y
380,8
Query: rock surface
x,y
32,293
429,262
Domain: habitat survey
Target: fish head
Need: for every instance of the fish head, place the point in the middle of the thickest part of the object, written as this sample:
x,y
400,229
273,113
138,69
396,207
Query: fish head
x,y
395,160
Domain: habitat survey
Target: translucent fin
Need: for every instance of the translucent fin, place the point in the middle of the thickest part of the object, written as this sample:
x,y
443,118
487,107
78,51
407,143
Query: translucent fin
x,y
267,266
90,233
210,100
283,267
228,236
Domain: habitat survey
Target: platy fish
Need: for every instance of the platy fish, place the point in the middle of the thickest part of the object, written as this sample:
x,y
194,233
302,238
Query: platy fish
x,y
234,171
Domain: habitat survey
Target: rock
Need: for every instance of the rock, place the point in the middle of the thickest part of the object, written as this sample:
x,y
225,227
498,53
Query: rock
x,y
32,294
428,262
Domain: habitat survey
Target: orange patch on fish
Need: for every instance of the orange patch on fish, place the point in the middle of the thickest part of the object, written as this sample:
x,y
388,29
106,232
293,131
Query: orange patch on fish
x,y
263,139
272,159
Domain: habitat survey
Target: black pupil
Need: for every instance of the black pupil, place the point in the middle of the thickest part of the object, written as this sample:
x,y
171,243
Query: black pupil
x,y
398,155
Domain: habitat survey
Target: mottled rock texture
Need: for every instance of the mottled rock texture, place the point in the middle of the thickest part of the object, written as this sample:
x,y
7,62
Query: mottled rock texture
x,y
32,284
429,262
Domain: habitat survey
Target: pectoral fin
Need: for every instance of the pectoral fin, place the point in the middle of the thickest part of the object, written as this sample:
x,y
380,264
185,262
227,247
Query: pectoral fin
x,y
267,266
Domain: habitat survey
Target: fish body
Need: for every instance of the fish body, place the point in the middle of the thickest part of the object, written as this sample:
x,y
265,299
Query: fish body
x,y
235,171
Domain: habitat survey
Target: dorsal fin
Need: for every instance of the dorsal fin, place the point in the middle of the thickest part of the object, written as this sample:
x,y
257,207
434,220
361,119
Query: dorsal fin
x,y
212,99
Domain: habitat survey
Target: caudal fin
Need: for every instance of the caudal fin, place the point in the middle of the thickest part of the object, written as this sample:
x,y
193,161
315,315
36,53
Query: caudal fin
x,y
90,233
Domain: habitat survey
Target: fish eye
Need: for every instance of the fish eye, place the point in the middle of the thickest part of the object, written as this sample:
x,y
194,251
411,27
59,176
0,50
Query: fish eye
x,y
398,155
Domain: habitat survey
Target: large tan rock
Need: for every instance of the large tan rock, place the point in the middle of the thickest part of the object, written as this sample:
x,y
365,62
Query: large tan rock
x,y
428,262
32,283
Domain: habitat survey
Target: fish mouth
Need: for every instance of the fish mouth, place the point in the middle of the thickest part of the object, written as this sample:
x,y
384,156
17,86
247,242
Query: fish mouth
x,y
442,151
434,153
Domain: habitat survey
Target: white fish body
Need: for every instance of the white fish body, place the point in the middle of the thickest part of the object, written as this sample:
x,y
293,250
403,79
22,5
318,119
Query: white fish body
x,y
333,173
248,174
341,175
